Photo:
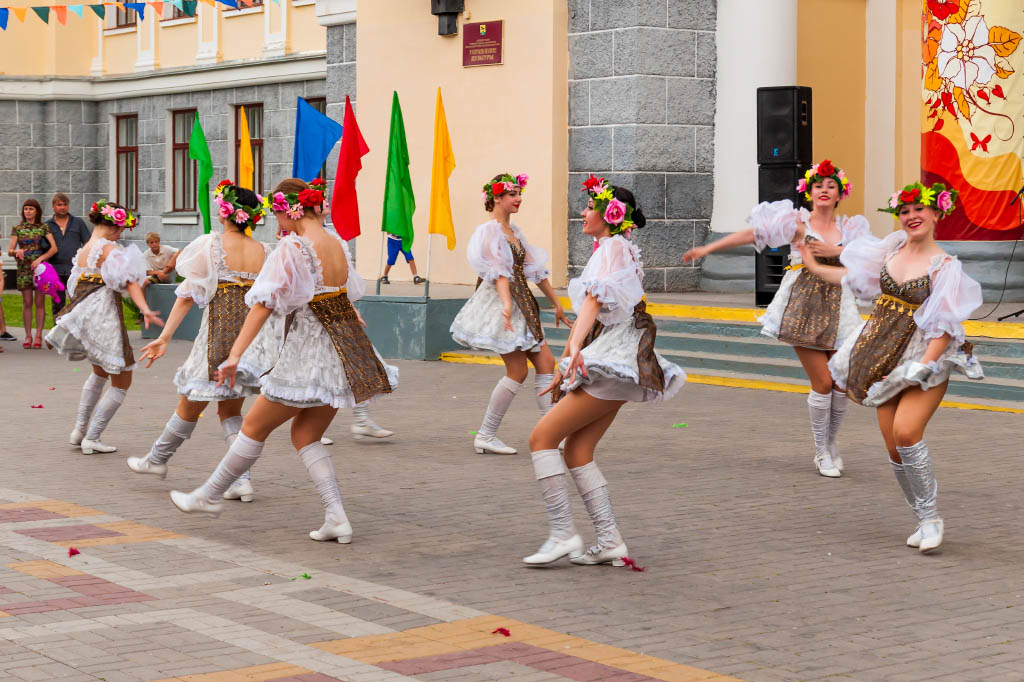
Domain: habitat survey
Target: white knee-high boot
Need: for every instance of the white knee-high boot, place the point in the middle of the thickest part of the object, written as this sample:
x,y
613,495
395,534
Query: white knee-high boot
x,y
837,410
908,494
501,398
540,382
92,389
176,432
242,454
917,464
317,460
363,426
819,406
554,485
593,488
232,426
105,411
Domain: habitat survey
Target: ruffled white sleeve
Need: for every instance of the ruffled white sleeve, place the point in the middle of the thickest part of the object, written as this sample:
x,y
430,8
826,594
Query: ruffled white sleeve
x,y
863,259
614,276
122,266
854,228
774,222
953,298
489,253
196,264
355,286
535,267
286,280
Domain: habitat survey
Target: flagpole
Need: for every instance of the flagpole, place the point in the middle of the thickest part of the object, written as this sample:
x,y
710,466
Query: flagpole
x,y
380,261
426,289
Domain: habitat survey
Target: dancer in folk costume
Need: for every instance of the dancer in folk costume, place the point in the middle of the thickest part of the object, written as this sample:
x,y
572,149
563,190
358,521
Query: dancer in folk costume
x,y
808,313
609,360
219,270
900,360
502,315
326,360
91,326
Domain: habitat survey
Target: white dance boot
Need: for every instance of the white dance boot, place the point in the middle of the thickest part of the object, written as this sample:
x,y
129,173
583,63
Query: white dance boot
x,y
819,406
486,440
242,454
837,410
364,427
901,477
562,537
917,464
91,392
176,432
593,488
317,460
112,400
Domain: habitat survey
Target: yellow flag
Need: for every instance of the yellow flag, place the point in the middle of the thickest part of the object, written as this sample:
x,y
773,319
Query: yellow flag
x,y
444,163
245,165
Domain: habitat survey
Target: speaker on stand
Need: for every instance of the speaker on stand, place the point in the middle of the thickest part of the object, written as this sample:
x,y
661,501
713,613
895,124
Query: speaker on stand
x,y
783,155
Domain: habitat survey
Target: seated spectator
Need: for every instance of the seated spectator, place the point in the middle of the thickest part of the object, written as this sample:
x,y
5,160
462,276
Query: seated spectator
x,y
160,261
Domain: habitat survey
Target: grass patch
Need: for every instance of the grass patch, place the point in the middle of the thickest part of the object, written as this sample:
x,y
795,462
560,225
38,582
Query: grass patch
x,y
12,312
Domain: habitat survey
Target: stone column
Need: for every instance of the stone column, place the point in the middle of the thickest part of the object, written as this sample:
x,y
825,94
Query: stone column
x,y
641,113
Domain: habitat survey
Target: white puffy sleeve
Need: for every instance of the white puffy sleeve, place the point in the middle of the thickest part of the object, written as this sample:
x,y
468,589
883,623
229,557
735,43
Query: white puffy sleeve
x,y
854,228
286,280
122,266
196,263
954,297
356,285
536,265
775,224
489,253
863,259
614,276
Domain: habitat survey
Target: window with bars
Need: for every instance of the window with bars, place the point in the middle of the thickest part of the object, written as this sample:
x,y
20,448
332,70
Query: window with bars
x,y
254,116
320,104
125,18
183,169
127,150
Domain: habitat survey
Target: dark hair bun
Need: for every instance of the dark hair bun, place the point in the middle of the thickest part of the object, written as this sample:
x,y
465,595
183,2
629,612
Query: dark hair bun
x,y
246,197
626,197
639,219
95,217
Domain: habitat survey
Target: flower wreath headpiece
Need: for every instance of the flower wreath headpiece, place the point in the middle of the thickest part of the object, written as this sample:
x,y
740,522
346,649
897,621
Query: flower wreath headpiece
x,y
294,204
823,170
618,214
936,196
229,207
507,183
121,217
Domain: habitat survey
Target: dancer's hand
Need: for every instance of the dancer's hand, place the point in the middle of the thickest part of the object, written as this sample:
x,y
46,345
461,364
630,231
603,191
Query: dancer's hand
x,y
695,254
360,318
821,250
807,256
153,351
151,317
554,382
226,371
506,312
560,316
19,253
576,362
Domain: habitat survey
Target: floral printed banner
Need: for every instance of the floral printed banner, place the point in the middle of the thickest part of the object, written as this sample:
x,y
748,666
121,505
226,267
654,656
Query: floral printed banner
x,y
972,133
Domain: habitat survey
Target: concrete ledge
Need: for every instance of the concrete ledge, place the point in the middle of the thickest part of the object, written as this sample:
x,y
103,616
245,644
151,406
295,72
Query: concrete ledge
x,y
987,262
730,272
410,327
161,298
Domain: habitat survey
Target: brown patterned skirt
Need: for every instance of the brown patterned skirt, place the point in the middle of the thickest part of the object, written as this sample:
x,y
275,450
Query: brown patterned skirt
x,y
88,285
227,315
811,318
880,345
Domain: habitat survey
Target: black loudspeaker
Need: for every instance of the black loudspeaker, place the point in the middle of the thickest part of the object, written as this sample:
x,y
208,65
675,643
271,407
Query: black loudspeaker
x,y
784,125
778,181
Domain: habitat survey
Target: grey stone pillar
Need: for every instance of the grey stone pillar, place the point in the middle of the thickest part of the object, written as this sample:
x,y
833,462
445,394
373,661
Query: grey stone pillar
x,y
641,113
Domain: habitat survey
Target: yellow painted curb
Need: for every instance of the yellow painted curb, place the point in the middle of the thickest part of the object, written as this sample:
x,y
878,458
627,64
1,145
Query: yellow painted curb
x,y
730,382
994,330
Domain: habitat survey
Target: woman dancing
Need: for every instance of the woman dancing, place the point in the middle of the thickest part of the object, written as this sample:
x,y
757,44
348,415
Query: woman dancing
x,y
31,244
502,315
609,360
91,326
808,313
899,361
219,270
326,360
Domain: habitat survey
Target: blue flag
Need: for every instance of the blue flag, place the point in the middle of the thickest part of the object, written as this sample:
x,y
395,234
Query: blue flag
x,y
315,137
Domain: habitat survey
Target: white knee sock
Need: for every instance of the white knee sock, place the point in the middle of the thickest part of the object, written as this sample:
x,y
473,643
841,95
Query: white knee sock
x,y
837,410
593,488
554,487
112,400
317,459
91,392
819,405
176,432
540,382
242,454
232,426
501,397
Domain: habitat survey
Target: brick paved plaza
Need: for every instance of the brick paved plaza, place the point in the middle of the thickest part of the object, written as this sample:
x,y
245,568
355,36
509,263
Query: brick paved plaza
x,y
757,568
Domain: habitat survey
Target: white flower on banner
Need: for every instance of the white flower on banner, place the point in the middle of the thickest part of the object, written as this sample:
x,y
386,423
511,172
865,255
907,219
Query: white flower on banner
x,y
964,56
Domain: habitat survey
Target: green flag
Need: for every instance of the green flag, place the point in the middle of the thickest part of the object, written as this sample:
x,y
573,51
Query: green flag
x,y
399,203
200,151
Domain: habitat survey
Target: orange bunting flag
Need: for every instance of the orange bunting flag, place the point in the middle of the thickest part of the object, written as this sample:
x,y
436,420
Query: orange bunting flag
x,y
158,7
19,12
62,13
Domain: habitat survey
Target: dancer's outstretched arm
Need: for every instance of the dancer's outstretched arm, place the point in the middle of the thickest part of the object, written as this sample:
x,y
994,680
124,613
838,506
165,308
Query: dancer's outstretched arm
x,y
505,294
549,291
156,348
254,321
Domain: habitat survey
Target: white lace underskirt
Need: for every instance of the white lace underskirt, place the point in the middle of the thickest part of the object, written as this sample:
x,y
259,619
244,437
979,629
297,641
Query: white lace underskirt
x,y
92,330
192,378
309,372
612,368
849,315
480,325
895,383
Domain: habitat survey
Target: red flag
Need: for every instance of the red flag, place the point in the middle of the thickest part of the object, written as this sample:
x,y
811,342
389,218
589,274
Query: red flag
x,y
344,203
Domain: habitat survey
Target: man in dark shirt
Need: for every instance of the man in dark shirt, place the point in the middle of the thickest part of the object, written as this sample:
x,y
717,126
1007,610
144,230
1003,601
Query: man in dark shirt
x,y
70,233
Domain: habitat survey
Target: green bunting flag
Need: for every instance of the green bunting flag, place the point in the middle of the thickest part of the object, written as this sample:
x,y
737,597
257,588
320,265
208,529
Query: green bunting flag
x,y
200,151
99,10
43,13
399,202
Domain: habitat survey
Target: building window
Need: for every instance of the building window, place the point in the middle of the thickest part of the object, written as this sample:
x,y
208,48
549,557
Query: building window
x,y
125,18
254,116
177,13
127,150
184,169
320,104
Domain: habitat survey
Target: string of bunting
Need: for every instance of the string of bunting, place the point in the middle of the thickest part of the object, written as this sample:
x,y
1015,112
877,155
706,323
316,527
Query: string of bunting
x,y
60,12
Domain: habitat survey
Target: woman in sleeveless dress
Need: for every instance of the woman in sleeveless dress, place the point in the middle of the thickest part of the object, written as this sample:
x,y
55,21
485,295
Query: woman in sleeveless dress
x,y
808,313
608,361
502,315
219,270
326,361
899,361
91,326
